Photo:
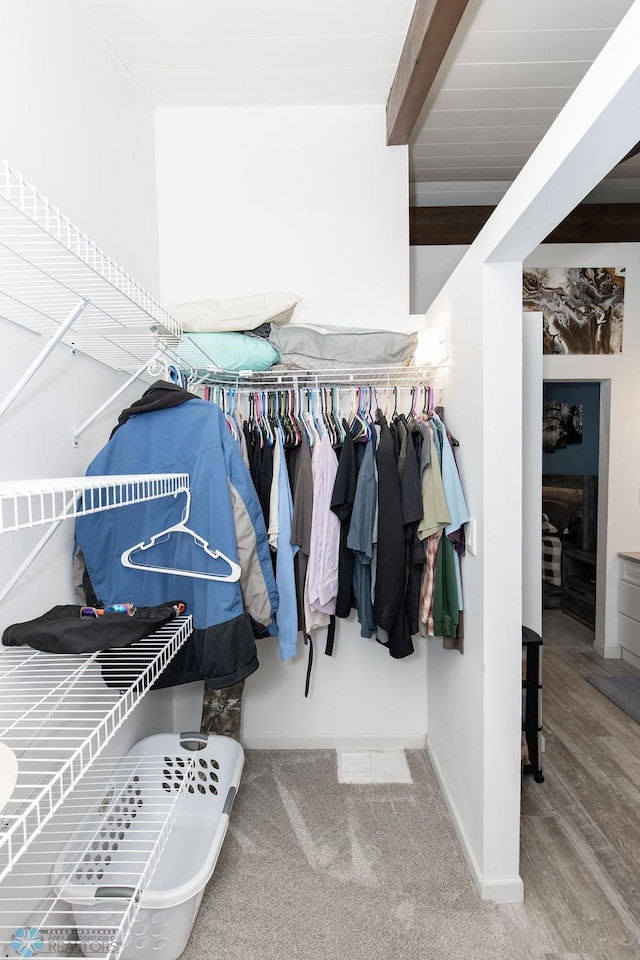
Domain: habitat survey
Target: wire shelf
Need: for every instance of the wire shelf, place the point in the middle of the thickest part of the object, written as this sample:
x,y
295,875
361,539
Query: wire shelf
x,y
58,712
287,378
97,855
193,356
30,503
48,265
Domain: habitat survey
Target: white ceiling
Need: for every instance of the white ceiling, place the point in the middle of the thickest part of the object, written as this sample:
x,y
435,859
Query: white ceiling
x,y
257,52
511,67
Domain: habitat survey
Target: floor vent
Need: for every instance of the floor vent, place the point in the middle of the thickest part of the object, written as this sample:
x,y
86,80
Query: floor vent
x,y
368,766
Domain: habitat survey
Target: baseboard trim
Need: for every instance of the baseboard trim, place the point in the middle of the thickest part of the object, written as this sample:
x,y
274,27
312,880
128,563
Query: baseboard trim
x,y
276,742
611,652
631,658
499,889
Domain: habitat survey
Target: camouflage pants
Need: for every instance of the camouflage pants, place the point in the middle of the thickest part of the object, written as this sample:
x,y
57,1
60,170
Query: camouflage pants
x,y
221,711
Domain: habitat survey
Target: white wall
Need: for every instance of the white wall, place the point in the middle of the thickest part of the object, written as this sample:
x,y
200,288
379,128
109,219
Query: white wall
x,y
323,213
74,124
619,505
473,747
430,268
474,703
619,514
305,200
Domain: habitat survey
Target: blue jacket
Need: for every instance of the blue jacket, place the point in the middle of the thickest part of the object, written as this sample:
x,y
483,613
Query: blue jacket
x,y
171,435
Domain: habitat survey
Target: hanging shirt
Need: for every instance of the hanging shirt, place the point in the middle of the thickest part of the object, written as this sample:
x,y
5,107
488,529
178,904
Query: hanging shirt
x,y
425,449
454,494
344,492
425,622
434,502
360,540
274,495
450,581
287,616
313,618
242,439
301,523
411,493
445,593
375,439
402,437
388,607
322,572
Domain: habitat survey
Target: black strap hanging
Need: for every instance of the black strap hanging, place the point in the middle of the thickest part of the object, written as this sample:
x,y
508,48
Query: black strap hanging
x,y
309,641
331,636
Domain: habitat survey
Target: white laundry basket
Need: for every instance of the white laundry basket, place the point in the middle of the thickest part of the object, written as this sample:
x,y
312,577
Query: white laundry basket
x,y
101,865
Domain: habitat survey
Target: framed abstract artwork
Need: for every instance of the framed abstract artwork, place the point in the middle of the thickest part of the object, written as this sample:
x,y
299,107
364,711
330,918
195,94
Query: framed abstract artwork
x,y
582,307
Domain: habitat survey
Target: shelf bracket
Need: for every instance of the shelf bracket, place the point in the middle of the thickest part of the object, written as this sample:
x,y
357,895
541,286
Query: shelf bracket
x,y
24,566
114,396
42,356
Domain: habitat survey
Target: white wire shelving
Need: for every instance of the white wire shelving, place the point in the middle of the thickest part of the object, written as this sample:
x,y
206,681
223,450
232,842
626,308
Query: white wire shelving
x,y
193,356
30,503
82,885
58,712
50,269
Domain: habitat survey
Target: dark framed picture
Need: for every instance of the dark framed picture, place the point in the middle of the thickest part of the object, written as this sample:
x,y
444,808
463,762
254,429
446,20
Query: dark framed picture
x,y
561,425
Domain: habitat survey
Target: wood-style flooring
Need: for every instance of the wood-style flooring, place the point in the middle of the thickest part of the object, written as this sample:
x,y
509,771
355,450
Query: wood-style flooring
x,y
580,829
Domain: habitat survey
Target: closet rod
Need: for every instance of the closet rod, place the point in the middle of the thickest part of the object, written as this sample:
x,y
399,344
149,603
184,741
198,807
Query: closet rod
x,y
42,356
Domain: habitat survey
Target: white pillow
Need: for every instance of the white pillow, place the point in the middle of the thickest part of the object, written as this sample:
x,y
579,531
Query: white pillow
x,y
235,313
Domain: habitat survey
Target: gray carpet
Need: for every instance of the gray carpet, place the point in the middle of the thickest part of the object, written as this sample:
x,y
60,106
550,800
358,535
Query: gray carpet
x,y
318,870
623,691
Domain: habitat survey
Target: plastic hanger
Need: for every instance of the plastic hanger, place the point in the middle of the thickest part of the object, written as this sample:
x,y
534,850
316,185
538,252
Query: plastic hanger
x,y
267,429
302,419
311,399
363,412
326,419
336,414
291,413
359,428
163,536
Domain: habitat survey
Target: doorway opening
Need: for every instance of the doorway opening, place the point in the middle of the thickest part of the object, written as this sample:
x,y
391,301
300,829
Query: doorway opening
x,y
570,474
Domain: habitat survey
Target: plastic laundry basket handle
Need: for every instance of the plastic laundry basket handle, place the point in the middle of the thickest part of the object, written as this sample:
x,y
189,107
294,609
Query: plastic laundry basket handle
x,y
193,740
231,795
118,893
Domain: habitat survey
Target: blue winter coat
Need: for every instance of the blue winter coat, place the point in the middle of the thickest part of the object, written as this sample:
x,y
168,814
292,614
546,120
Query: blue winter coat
x,y
191,437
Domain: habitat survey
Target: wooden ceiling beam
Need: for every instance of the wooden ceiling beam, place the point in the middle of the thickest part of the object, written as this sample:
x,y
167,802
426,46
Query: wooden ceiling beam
x,y
433,24
588,223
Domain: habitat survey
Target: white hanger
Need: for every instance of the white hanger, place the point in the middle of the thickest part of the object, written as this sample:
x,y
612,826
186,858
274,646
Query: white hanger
x,y
230,577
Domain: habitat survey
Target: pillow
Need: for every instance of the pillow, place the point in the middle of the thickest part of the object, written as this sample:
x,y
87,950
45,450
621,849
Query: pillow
x,y
235,313
312,346
227,351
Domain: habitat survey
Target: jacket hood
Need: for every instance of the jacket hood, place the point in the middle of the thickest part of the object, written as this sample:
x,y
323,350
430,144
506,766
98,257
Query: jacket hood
x,y
158,396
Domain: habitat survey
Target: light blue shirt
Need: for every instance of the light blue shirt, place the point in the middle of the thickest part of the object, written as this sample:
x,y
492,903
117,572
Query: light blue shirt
x,y
453,492
287,616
